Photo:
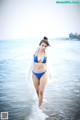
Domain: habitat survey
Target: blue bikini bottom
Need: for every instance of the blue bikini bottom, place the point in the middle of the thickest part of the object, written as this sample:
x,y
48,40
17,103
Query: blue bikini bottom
x,y
38,75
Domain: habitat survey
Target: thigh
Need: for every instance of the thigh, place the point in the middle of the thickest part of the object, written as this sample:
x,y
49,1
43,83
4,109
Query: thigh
x,y
36,81
43,80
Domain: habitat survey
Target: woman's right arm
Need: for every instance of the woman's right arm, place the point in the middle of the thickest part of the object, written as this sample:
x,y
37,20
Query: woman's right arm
x,y
30,65
30,68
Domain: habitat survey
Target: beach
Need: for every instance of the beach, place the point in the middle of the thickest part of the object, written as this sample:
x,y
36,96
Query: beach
x,y
62,93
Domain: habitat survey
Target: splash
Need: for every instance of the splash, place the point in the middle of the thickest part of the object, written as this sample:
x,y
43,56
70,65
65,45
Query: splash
x,y
37,113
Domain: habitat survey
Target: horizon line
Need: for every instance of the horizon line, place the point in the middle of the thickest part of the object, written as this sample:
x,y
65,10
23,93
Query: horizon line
x,y
31,38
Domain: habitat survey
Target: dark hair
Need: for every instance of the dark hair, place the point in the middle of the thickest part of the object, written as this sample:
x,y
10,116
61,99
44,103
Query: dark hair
x,y
44,40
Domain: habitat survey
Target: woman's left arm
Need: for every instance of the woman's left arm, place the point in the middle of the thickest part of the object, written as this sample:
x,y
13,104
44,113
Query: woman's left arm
x,y
49,69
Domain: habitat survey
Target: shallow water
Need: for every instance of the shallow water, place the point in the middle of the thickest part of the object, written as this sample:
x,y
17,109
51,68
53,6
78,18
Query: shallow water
x,y
62,93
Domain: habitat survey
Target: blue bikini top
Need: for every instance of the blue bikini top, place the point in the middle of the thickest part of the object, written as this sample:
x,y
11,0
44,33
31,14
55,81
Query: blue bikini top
x,y
36,59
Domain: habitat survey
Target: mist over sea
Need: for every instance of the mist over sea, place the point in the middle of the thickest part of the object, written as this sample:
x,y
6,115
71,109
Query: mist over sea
x,y
62,93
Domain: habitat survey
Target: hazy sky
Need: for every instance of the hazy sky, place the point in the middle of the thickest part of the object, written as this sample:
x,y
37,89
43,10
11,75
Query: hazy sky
x,y
36,18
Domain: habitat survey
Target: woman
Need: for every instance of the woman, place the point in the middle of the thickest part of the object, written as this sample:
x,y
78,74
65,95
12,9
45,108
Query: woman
x,y
39,69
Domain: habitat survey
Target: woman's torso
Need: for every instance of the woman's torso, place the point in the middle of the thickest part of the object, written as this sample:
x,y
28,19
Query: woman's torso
x,y
39,62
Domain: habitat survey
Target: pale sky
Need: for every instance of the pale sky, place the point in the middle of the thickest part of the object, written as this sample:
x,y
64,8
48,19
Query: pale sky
x,y
21,19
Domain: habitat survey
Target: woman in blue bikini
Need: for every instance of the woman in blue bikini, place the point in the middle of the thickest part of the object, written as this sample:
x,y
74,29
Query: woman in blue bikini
x,y
39,71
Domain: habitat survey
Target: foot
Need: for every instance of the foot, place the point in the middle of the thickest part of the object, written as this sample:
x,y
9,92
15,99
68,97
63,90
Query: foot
x,y
40,106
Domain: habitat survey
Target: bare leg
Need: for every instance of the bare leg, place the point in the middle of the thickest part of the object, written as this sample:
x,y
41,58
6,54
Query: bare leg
x,y
36,82
41,93
43,81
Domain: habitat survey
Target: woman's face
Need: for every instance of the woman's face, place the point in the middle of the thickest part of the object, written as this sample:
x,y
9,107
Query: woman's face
x,y
43,46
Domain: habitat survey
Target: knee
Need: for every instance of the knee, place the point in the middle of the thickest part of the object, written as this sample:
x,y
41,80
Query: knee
x,y
37,91
41,92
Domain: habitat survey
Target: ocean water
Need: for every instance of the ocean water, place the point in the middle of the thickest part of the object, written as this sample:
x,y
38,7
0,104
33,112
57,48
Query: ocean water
x,y
62,93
